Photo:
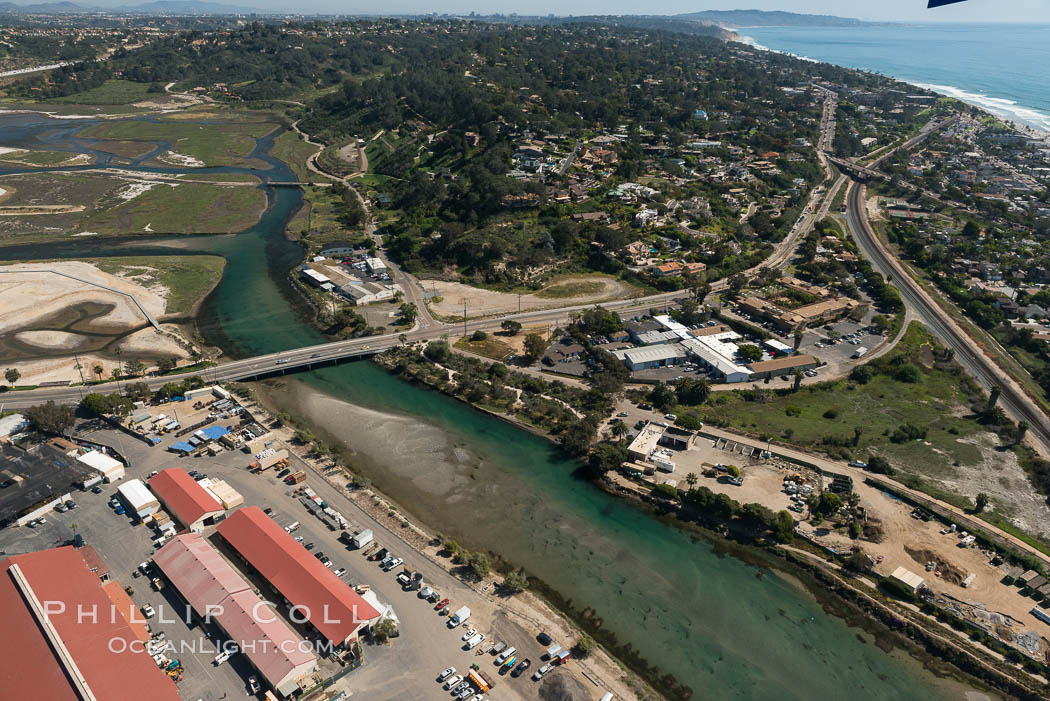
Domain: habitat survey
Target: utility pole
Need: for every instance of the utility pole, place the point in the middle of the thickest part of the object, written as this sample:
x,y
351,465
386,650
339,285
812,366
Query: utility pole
x,y
519,303
464,316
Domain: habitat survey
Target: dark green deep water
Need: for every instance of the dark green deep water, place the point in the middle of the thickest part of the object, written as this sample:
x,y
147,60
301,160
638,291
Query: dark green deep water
x,y
713,622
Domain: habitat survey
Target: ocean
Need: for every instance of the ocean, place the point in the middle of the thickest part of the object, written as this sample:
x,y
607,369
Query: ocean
x,y
1001,68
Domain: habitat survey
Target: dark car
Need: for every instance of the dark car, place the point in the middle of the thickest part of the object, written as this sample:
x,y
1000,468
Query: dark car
x,y
309,546
71,504
524,665
96,490
267,510
319,555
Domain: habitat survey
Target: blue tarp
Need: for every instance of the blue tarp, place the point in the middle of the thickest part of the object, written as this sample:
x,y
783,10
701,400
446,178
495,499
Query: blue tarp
x,y
181,447
214,433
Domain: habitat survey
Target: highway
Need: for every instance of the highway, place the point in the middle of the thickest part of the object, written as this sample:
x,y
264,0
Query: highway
x,y
968,354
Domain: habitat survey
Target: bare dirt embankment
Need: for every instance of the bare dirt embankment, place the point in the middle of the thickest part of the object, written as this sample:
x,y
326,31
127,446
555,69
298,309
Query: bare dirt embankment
x,y
562,292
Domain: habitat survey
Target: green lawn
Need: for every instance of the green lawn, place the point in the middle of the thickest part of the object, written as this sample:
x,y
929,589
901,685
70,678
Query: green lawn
x,y
824,416
188,278
215,209
212,144
112,92
289,148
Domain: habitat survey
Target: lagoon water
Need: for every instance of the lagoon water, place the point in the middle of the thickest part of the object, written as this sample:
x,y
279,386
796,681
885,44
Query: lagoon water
x,y
717,624
1002,68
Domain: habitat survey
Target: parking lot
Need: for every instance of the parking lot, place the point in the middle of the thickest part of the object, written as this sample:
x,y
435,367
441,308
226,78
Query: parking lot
x,y
405,668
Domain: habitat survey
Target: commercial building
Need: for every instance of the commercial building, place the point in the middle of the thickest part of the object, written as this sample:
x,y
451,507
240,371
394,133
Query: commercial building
x,y
52,651
907,579
329,605
778,347
779,367
35,479
110,468
714,355
139,498
360,292
213,588
645,442
651,356
375,266
186,500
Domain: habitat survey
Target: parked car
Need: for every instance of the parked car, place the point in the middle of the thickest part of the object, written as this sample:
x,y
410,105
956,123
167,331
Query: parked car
x,y
96,489
403,579
542,671
309,546
70,504
442,604
340,572
522,666
253,684
452,681
470,633
446,674
394,563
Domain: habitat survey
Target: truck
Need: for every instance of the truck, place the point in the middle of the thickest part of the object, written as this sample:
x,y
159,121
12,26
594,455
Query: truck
x,y
362,539
295,477
859,352
458,617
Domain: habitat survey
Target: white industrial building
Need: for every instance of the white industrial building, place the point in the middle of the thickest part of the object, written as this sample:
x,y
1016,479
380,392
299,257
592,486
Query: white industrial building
x,y
711,354
650,357
110,469
137,496
366,292
375,266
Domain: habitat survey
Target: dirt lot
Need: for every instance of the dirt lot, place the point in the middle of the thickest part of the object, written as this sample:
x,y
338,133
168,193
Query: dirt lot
x,y
560,293
907,541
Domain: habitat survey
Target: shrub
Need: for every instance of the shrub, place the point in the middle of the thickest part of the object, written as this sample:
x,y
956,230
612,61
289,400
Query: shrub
x,y
793,411
831,414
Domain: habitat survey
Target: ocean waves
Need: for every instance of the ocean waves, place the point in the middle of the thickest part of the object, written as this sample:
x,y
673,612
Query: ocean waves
x,y
999,106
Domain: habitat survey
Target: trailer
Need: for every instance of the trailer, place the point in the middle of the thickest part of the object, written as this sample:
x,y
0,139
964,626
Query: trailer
x,y
459,616
362,539
296,477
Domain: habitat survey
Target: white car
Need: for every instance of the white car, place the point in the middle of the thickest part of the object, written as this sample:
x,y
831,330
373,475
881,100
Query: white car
x,y
470,634
396,562
147,611
224,655
446,674
452,681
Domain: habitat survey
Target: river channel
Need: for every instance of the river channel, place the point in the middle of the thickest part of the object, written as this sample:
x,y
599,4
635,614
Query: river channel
x,y
721,626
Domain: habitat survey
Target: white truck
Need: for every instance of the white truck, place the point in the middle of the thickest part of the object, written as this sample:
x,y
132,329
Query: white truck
x,y
474,641
458,617
362,539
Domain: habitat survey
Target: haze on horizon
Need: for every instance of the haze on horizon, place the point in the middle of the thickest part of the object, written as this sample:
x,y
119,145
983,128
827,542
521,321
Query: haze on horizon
x,y
881,10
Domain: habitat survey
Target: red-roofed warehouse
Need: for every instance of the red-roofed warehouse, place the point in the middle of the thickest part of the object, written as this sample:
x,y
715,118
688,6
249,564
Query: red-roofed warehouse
x,y
54,648
213,588
187,501
331,607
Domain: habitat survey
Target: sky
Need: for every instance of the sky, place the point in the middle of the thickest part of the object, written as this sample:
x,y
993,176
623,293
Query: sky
x,y
882,10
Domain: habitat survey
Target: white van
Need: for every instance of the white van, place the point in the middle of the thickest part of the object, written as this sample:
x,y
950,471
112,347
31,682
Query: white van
x,y
292,527
505,655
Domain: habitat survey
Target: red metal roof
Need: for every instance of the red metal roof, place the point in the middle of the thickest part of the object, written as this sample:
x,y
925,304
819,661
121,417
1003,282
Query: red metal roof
x,y
98,646
204,578
183,496
336,610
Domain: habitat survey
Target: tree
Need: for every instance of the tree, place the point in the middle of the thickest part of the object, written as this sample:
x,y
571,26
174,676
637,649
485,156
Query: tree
x,y
857,433
799,333
384,630
510,327
408,313
576,439
514,582
534,347
604,457
583,647
304,436
798,374
50,417
451,547
479,564
165,365
826,504
993,396
663,397
750,352
98,370
692,391
737,283
438,351
981,502
478,335
785,526
1022,429
12,375
879,465
618,429
691,479
134,367
733,471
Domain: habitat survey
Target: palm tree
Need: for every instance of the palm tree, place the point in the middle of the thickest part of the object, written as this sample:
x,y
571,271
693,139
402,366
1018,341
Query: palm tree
x,y
857,433
993,396
619,429
1022,429
799,333
98,370
798,380
691,479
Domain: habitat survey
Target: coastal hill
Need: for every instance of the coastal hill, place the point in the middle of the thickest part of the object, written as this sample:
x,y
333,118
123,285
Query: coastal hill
x,y
157,8
762,18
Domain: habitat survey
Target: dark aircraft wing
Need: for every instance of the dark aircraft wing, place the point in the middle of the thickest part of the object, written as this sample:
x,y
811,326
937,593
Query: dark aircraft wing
x,y
939,3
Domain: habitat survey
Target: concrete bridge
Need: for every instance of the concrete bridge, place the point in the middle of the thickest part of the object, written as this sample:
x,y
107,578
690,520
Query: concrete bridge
x,y
859,172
